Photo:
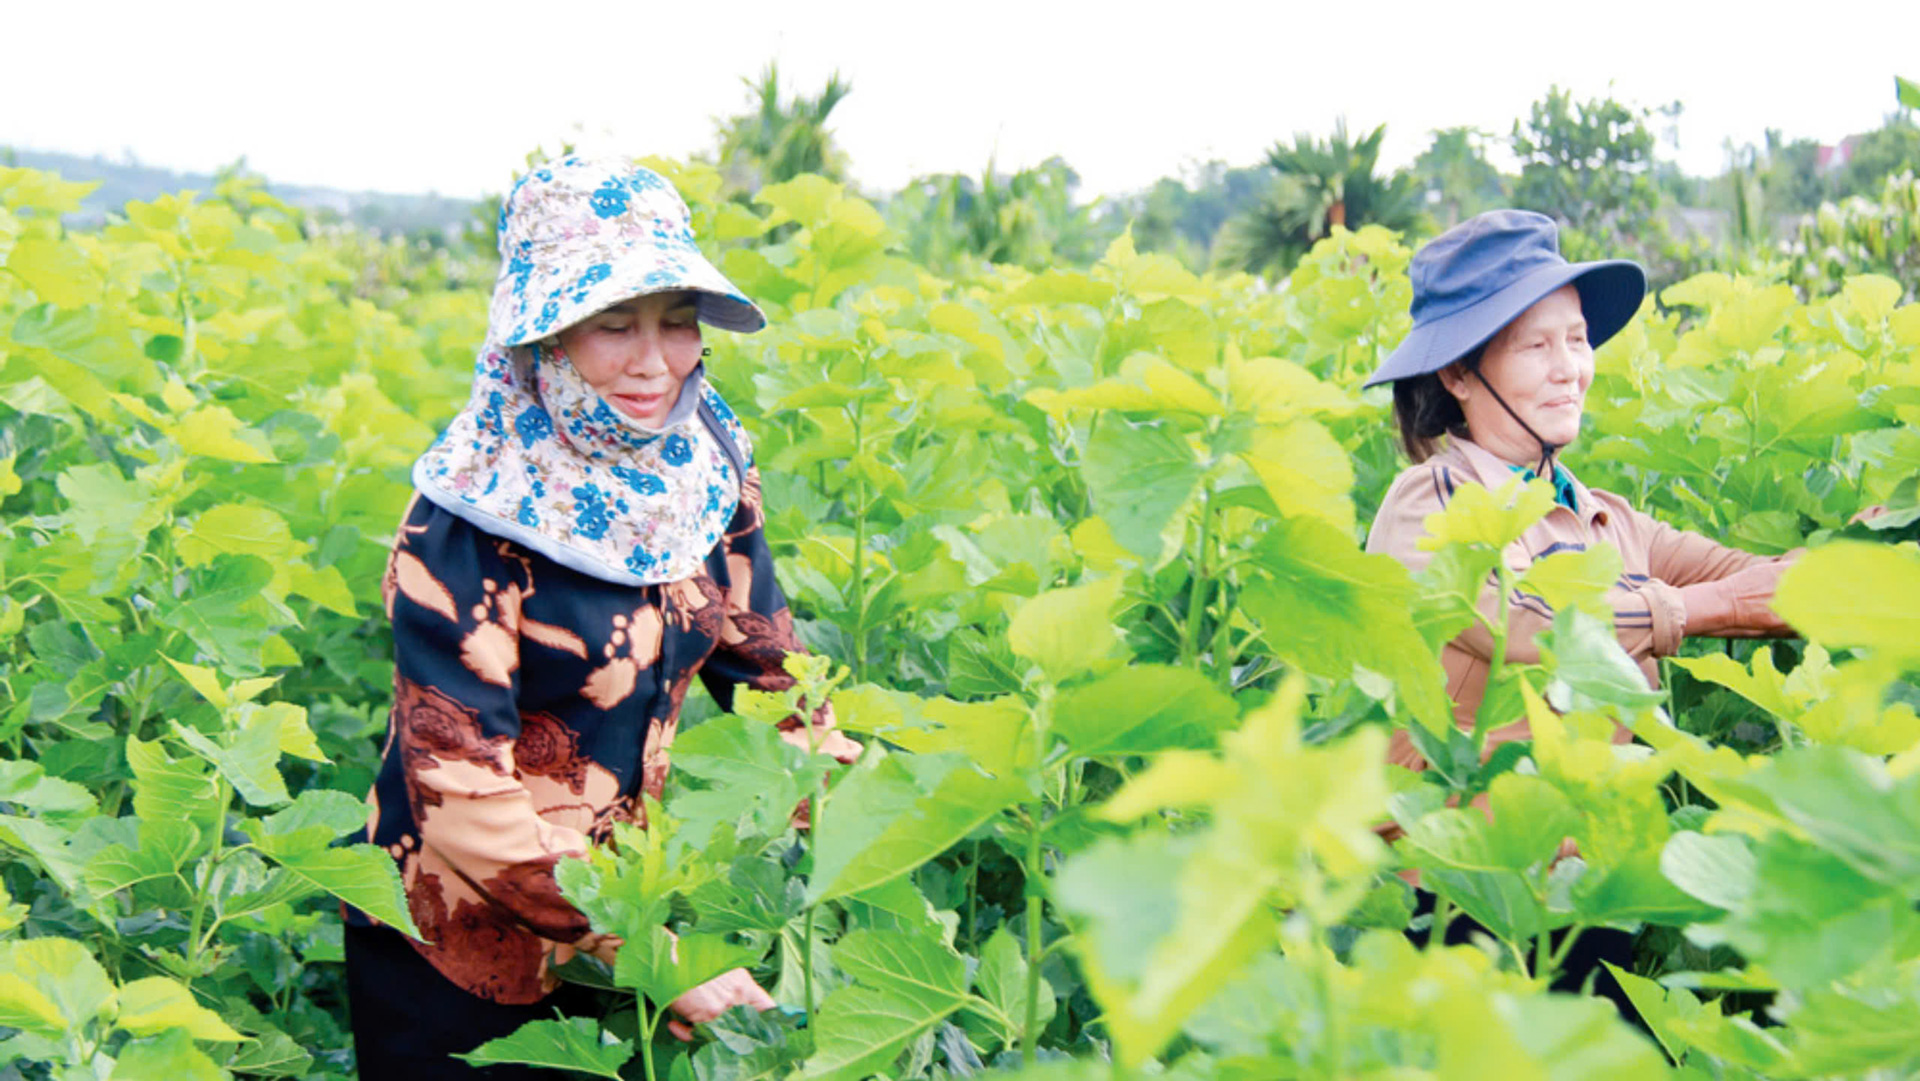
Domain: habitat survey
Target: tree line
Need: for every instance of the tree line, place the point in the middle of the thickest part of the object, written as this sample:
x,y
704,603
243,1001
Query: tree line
x,y
1591,164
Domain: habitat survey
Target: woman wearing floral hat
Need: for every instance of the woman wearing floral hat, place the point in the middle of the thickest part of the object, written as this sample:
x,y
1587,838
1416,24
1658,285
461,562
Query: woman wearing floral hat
x,y
1491,382
584,540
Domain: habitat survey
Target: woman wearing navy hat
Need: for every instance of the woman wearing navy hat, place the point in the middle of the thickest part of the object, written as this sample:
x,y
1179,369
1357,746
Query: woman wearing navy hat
x,y
584,540
1490,382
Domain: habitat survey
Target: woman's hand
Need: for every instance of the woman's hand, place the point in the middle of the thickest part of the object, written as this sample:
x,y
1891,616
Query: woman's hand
x,y
1739,605
715,997
825,740
605,947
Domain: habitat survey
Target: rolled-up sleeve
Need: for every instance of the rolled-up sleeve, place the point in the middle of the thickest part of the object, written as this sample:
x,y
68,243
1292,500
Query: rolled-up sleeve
x,y
1653,611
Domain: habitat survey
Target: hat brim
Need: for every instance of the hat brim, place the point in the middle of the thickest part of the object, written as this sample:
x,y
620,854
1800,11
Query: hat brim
x,y
1610,293
717,302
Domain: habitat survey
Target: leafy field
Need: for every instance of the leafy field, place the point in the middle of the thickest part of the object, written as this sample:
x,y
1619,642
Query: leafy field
x,y
1077,552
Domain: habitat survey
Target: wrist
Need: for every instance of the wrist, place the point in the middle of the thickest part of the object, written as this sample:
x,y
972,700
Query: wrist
x,y
1708,610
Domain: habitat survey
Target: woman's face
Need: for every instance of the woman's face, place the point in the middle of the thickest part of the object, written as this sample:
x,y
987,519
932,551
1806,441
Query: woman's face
x,y
638,353
1542,365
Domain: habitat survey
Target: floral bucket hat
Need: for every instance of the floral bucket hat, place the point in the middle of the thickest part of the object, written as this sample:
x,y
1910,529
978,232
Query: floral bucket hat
x,y
538,456
579,235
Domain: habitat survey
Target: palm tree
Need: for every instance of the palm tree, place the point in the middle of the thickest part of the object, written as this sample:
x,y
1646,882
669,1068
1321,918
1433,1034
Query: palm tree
x,y
1028,217
779,140
1319,185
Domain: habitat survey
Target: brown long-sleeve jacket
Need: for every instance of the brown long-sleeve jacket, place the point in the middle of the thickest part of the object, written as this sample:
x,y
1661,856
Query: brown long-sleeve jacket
x,y
1648,613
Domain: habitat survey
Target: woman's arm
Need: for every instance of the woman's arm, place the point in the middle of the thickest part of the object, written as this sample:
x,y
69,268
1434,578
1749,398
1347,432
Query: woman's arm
x,y
1649,616
453,594
1728,593
757,633
1683,558
1739,605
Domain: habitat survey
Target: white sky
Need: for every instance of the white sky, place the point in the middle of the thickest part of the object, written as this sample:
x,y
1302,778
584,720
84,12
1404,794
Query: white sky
x,y
404,96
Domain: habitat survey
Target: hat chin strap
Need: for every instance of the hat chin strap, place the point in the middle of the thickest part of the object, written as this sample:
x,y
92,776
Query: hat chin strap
x,y
1547,450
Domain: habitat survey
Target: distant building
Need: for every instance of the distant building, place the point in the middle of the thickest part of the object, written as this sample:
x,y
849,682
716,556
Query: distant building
x,y
1828,159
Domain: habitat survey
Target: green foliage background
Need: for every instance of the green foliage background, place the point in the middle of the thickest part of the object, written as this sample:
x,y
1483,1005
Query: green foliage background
x,y
1076,545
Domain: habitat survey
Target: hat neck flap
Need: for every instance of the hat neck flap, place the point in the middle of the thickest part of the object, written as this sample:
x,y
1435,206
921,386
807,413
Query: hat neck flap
x,y
539,458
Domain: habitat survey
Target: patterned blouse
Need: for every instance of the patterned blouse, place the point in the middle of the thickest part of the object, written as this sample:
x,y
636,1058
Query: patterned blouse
x,y
531,706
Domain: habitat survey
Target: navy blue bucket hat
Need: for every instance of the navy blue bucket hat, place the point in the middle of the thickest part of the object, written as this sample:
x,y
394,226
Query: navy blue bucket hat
x,y
1478,276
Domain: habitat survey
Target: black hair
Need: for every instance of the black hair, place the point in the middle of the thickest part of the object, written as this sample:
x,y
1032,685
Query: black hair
x,y
1425,410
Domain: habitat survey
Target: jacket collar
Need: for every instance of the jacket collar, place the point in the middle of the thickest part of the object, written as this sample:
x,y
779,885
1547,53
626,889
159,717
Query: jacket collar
x,y
1492,471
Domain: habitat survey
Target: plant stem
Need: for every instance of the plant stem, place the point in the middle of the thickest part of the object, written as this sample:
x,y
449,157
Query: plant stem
x,y
1497,658
973,895
648,1019
1076,480
860,583
1197,591
1060,942
1035,869
1222,649
806,960
190,330
83,1049
859,534
1027,1038
816,811
1442,916
1565,947
196,941
1519,955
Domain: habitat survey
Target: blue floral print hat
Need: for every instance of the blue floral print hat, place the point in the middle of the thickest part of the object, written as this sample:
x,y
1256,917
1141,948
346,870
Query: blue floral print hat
x,y
538,456
579,235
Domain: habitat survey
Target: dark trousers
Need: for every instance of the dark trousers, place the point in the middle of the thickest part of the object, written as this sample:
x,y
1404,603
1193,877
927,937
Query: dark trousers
x,y
1582,961
408,1019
